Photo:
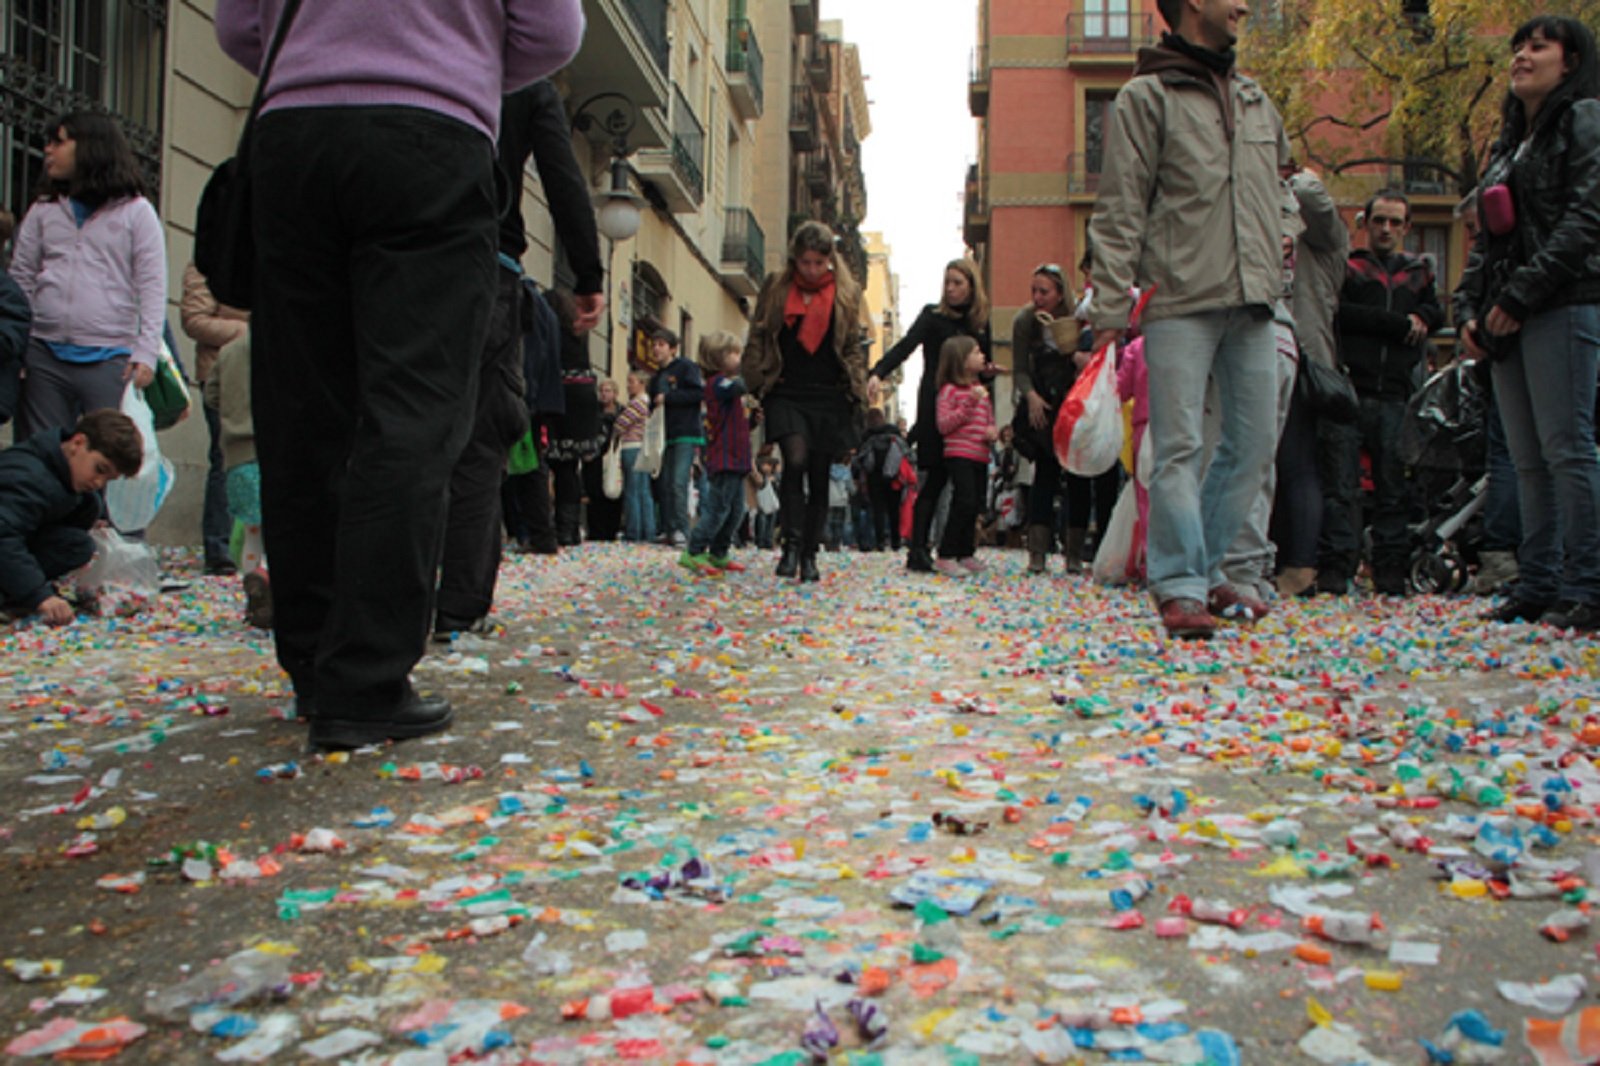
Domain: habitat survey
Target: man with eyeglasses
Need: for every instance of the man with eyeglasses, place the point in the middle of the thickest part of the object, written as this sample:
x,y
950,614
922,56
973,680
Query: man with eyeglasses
x,y
1189,205
1387,309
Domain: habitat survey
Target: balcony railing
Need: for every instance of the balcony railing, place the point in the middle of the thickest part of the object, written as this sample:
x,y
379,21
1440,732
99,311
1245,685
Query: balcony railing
x,y
820,66
1109,33
819,173
804,15
743,241
802,118
651,18
688,144
1420,178
744,55
978,82
1083,171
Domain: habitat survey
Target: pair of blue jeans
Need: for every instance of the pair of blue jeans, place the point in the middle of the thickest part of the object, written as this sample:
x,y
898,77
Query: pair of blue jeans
x,y
676,464
1192,523
638,502
1502,517
721,512
1545,391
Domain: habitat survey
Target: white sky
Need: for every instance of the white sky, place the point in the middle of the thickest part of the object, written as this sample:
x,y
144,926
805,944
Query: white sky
x,y
916,55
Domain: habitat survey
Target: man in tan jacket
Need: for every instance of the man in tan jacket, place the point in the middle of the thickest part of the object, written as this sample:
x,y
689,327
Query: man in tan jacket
x,y
1190,205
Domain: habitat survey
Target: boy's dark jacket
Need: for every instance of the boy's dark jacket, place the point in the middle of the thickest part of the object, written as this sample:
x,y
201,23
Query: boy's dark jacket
x,y
36,493
15,319
681,382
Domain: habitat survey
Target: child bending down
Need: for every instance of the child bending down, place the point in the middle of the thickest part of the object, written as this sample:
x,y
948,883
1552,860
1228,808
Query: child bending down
x,y
228,391
50,488
966,422
727,457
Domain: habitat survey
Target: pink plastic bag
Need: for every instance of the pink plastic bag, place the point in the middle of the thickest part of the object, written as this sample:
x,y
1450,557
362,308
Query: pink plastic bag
x,y
1088,431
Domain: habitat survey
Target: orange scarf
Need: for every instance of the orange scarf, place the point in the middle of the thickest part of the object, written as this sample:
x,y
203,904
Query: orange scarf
x,y
813,317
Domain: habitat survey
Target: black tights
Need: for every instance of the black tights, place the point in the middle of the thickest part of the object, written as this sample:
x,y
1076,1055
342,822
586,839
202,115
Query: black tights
x,y
803,514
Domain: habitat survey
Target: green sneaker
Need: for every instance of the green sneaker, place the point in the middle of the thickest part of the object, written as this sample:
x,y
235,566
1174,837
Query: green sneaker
x,y
725,564
697,564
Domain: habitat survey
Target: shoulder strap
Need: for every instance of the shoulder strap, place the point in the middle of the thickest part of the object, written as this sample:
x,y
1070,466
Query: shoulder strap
x,y
285,20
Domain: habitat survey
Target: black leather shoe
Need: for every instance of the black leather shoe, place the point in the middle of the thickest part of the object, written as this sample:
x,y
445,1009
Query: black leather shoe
x,y
1579,617
788,562
1517,610
417,716
808,568
220,567
919,562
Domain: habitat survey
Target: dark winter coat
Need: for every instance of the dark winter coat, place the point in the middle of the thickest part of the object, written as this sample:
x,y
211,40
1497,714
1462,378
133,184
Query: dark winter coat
x,y
36,493
929,332
1375,306
681,382
15,319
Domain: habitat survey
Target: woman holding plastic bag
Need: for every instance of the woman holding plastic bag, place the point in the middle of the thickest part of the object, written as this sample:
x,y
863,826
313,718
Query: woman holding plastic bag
x,y
1530,301
91,258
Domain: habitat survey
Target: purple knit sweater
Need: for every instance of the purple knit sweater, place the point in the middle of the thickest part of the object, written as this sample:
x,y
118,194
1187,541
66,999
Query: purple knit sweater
x,y
456,57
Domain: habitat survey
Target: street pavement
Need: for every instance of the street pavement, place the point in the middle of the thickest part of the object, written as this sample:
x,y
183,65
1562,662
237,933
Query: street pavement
x,y
888,818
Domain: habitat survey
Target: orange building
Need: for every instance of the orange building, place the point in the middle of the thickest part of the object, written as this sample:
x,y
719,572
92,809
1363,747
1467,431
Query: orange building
x,y
1043,79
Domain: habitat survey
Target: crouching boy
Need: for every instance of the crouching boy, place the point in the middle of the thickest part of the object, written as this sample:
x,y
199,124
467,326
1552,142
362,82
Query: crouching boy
x,y
50,487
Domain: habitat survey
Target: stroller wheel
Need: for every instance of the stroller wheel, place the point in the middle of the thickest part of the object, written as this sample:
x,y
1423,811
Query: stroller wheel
x,y
1437,572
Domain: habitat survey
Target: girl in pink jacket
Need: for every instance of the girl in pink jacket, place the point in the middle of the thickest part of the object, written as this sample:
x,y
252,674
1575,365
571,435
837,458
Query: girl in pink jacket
x,y
966,425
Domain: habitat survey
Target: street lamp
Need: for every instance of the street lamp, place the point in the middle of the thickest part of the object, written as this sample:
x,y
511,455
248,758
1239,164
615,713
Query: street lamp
x,y
615,115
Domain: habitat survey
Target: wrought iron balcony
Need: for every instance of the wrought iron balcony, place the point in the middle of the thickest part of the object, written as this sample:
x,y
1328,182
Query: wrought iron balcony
x,y
650,16
745,68
744,251
802,118
1108,36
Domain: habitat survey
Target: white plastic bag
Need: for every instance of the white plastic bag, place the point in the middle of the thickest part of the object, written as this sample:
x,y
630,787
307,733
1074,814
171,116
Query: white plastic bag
x,y
134,501
611,472
1111,558
120,563
1088,431
655,443
767,501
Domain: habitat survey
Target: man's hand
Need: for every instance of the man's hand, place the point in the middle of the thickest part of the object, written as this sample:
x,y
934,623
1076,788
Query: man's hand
x,y
1469,341
142,375
874,390
591,305
1038,411
1418,331
1499,323
56,611
1103,337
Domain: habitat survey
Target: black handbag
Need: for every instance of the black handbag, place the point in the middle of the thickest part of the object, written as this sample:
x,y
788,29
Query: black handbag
x,y
1327,391
224,245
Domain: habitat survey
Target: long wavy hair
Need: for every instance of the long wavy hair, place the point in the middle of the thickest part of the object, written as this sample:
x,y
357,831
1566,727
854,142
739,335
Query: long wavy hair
x,y
104,167
975,315
1582,82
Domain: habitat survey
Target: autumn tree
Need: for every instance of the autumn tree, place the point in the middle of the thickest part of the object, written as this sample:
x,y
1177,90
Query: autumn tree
x,y
1413,84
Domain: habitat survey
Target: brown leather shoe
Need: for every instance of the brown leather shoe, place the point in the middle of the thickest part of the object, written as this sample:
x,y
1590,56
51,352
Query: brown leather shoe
x,y
1187,619
1228,603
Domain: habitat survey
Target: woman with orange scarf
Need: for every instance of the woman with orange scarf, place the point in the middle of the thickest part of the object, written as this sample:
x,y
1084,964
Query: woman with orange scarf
x,y
805,364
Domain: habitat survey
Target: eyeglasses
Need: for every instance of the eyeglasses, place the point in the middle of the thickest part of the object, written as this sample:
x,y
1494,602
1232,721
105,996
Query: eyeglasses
x,y
1048,268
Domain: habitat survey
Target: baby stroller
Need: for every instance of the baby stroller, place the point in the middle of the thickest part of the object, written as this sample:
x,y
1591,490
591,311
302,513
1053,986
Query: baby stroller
x,y
1442,442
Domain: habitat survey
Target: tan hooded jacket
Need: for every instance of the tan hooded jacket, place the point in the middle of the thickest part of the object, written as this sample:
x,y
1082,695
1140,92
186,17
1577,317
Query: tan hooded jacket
x,y
762,364
1190,197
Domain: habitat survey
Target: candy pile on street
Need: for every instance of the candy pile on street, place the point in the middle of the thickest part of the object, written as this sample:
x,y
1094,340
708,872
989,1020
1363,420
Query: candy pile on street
x,y
885,819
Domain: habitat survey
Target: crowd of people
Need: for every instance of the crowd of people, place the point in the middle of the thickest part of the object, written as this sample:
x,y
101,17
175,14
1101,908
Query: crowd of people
x,y
401,401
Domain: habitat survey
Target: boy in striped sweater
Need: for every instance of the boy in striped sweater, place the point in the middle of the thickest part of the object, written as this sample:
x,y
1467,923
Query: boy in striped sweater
x,y
726,457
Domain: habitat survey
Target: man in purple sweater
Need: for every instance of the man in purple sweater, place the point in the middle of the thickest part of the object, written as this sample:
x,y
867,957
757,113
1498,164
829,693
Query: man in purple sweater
x,y
375,217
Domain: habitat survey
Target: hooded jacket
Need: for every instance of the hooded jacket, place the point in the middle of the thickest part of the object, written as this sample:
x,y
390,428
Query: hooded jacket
x,y
35,493
762,364
1190,199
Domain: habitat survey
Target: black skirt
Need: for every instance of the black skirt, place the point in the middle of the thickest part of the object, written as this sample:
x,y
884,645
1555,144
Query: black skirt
x,y
825,418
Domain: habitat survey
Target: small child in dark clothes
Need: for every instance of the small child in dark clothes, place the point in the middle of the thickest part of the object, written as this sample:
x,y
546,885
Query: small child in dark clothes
x,y
50,487
727,457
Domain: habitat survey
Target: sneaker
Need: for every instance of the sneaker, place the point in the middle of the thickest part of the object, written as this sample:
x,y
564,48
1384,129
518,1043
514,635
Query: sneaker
x,y
698,564
1390,581
1229,603
1577,617
949,568
1517,610
446,628
1187,619
220,568
972,564
726,563
919,562
679,540
1297,581
258,599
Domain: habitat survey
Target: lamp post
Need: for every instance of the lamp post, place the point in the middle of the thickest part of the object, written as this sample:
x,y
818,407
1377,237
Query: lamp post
x,y
615,116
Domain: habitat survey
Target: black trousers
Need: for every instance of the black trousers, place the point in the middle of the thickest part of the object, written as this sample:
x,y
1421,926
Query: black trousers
x,y
603,515
1297,503
472,538
967,478
883,500
935,474
1377,431
375,241
568,500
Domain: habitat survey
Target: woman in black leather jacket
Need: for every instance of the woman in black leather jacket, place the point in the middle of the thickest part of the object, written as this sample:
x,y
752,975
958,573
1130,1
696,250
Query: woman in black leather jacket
x,y
1530,300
